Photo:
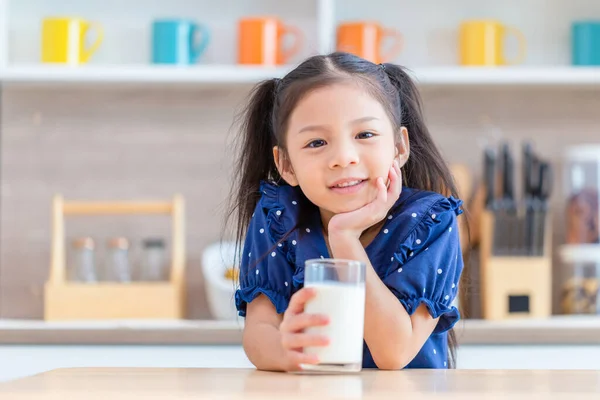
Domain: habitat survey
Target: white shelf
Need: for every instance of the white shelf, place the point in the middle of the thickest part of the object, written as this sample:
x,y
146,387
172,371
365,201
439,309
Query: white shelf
x,y
213,74
232,75
520,76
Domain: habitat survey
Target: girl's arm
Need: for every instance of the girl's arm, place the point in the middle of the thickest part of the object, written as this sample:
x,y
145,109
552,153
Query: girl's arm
x,y
394,337
261,339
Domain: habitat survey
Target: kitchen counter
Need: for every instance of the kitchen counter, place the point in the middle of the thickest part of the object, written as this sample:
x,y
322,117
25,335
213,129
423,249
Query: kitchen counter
x,y
556,330
226,383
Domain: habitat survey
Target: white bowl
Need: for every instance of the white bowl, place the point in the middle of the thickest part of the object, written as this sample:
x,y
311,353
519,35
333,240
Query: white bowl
x,y
220,291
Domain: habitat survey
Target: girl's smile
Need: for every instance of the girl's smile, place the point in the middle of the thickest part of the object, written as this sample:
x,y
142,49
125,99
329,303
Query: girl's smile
x,y
349,185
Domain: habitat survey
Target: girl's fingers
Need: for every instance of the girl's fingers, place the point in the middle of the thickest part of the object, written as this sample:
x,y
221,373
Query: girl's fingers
x,y
302,321
298,300
302,340
382,190
298,358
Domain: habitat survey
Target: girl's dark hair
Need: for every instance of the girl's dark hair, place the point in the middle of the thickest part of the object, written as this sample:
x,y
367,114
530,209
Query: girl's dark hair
x,y
264,125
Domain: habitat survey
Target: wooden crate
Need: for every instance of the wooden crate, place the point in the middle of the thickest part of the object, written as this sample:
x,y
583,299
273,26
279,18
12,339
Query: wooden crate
x,y
65,300
506,279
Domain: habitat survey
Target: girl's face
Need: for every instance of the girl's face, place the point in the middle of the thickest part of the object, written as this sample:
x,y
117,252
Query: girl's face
x,y
339,140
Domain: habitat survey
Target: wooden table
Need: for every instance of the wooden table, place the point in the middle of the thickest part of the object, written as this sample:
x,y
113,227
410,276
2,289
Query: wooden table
x,y
165,383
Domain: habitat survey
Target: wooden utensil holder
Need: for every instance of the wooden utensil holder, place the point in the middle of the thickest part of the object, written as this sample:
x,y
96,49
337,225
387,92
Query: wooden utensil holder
x,y
66,300
514,286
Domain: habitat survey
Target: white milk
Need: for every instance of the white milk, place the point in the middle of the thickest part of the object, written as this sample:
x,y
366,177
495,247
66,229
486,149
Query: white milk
x,y
344,304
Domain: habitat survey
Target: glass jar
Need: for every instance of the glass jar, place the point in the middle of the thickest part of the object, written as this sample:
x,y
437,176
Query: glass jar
x,y
581,276
81,265
117,265
153,266
582,191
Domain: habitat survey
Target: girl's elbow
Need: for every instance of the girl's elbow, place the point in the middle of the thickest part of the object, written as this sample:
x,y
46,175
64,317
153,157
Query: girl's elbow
x,y
391,362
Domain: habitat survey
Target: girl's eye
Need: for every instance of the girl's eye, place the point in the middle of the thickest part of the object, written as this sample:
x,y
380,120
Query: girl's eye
x,y
365,135
316,143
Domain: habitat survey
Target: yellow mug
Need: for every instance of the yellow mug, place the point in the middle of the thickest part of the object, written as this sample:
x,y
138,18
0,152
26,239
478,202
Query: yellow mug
x,y
481,43
63,40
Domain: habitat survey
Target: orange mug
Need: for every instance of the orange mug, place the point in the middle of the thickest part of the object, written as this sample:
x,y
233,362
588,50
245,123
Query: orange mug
x,y
365,40
260,41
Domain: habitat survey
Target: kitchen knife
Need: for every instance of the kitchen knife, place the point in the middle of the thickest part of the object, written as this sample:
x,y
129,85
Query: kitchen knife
x,y
545,188
490,197
509,206
490,178
527,237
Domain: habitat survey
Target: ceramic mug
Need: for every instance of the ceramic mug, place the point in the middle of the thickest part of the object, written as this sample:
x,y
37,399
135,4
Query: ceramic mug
x,y
178,41
365,39
481,43
585,43
260,41
63,40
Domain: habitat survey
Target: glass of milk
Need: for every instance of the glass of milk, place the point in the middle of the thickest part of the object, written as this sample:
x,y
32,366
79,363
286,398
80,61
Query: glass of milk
x,y
340,294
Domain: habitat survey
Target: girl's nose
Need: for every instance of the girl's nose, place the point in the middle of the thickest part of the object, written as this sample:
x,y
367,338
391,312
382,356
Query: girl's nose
x,y
344,154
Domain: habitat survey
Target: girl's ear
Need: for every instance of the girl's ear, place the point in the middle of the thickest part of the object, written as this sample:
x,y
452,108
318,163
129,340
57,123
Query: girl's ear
x,y
402,147
284,167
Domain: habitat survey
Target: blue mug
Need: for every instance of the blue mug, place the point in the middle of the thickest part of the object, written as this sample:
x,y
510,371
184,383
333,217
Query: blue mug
x,y
585,42
174,41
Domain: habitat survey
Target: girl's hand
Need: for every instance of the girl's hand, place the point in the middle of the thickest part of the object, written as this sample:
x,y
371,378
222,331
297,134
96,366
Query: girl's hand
x,y
293,338
353,223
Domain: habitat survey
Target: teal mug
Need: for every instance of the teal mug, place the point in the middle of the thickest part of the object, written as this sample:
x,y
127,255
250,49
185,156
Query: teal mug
x,y
178,41
585,43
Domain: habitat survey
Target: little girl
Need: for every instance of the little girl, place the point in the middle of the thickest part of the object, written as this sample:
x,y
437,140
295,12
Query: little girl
x,y
336,162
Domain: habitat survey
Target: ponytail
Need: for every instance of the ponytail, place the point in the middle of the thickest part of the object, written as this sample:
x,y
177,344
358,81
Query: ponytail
x,y
254,151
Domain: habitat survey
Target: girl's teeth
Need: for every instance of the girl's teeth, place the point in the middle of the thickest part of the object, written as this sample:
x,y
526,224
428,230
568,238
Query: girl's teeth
x,y
346,184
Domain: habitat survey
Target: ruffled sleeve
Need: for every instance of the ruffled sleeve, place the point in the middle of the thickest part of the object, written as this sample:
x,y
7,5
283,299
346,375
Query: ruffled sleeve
x,y
267,264
429,264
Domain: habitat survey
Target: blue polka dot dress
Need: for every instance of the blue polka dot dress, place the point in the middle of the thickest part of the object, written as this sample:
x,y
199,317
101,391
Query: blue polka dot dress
x,y
416,254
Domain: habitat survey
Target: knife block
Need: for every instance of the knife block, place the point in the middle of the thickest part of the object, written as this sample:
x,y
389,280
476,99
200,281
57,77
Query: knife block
x,y
66,300
514,286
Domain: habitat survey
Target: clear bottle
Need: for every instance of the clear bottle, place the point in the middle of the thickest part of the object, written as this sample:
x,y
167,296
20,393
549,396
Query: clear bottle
x,y
81,266
117,265
153,266
580,292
